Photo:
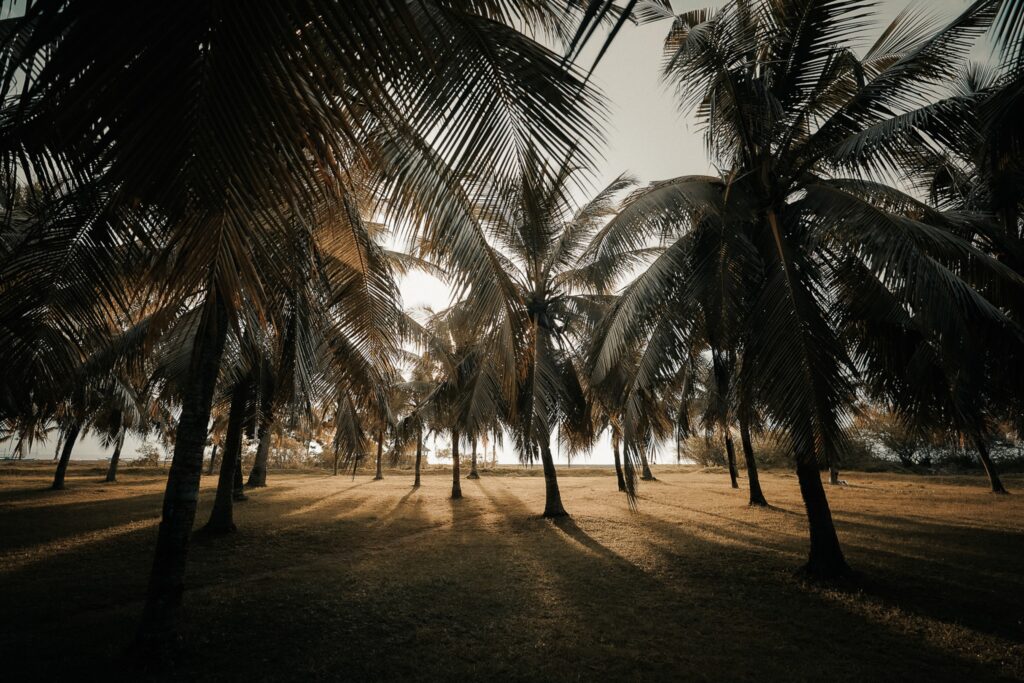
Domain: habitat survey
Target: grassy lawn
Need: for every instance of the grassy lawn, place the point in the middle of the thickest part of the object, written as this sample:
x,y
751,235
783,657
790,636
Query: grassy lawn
x,y
341,579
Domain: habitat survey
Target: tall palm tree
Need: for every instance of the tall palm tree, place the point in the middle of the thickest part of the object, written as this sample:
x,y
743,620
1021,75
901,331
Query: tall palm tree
x,y
787,108
535,309
211,115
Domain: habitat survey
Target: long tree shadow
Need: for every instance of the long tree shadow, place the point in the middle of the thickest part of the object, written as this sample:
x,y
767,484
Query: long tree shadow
x,y
745,566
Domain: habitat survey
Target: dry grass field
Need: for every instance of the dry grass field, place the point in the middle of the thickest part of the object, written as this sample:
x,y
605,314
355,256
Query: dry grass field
x,y
330,578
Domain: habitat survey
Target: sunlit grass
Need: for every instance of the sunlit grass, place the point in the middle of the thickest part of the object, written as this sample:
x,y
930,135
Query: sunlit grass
x,y
334,578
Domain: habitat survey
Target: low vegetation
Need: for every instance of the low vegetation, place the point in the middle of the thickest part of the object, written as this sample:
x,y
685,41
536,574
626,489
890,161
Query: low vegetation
x,y
336,578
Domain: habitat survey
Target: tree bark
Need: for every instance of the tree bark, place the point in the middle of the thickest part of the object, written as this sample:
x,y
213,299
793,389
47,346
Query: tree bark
x,y
552,497
166,581
115,458
258,473
337,456
419,456
222,516
60,441
833,475
472,467
65,456
753,481
730,454
826,557
990,468
237,483
456,484
380,456
213,459
618,464
645,468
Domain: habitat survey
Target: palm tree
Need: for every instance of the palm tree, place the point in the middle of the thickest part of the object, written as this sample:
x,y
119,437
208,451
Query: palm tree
x,y
535,308
228,169
973,171
786,108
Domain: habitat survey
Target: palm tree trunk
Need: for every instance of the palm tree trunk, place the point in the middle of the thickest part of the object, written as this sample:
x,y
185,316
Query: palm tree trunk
x,y
826,557
472,468
337,455
258,473
833,475
456,484
222,516
65,456
167,578
237,483
730,454
213,459
990,468
380,456
753,481
419,456
552,497
60,441
115,458
645,468
618,464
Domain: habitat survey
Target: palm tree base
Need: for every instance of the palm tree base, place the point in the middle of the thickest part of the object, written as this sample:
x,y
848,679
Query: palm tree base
x,y
219,528
378,477
825,570
472,475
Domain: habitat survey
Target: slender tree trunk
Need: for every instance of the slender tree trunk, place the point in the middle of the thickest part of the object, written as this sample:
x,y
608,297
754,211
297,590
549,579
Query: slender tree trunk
x,y
337,456
472,467
258,473
456,484
730,454
990,468
419,456
753,481
618,464
645,468
166,581
826,557
237,483
115,458
380,457
552,497
222,516
60,441
213,459
65,456
833,474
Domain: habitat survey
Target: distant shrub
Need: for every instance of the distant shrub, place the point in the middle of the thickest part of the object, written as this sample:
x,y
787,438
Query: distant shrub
x,y
149,455
704,452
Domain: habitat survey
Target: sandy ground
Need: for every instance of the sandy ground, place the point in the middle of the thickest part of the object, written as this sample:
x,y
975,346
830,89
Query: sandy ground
x,y
334,578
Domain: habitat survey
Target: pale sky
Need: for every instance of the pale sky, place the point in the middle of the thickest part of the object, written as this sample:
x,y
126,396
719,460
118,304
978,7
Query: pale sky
x,y
647,136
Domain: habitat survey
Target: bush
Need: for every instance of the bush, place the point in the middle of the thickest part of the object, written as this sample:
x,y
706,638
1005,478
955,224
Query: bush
x,y
149,455
704,452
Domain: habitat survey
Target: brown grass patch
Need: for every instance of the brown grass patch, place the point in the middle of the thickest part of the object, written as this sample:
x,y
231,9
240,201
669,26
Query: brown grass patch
x,y
341,579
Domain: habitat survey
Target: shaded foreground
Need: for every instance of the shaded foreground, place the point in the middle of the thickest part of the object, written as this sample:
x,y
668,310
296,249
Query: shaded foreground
x,y
333,578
